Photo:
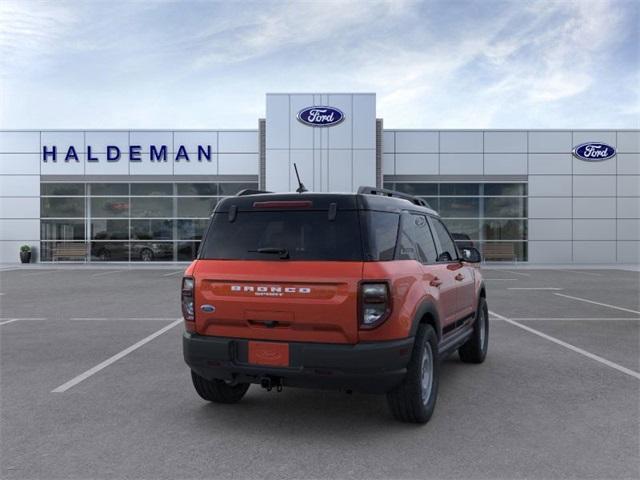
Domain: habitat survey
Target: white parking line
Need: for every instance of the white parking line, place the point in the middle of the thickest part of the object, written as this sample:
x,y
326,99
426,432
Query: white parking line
x,y
622,309
502,279
573,348
534,288
582,272
106,319
83,376
11,320
173,273
105,273
39,273
578,319
518,273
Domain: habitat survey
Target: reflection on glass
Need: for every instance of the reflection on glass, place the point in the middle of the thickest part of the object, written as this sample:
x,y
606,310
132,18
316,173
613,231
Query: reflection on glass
x,y
229,188
434,202
460,207
151,229
198,189
505,189
460,189
191,229
467,227
504,229
151,207
187,251
504,251
110,207
62,229
110,251
158,189
109,229
505,207
196,206
152,251
417,188
109,189
64,207
69,189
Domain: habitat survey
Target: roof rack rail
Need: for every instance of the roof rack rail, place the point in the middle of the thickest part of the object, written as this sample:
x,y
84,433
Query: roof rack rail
x,y
250,191
392,193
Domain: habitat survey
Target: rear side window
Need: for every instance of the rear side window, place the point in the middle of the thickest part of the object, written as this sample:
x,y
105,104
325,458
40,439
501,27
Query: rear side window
x,y
382,228
447,247
416,242
304,235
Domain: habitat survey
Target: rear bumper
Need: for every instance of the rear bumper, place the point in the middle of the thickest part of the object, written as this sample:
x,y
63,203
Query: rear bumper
x,y
366,367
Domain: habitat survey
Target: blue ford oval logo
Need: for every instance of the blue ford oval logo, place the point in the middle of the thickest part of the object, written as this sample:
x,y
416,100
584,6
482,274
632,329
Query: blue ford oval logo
x,y
320,116
594,151
208,308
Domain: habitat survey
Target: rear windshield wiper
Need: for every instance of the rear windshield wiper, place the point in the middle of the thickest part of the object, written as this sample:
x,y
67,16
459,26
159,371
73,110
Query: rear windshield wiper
x,y
283,252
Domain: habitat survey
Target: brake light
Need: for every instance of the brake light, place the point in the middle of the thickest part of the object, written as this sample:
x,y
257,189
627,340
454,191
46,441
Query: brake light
x,y
284,204
188,308
375,304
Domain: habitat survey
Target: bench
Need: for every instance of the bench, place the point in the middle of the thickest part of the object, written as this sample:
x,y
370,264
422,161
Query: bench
x,y
499,251
69,250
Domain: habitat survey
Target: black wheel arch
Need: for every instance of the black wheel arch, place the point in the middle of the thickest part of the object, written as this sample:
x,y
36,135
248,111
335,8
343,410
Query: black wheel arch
x,y
427,313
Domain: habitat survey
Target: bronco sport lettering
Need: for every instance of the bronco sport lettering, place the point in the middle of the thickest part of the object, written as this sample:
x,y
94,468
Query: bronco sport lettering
x,y
356,292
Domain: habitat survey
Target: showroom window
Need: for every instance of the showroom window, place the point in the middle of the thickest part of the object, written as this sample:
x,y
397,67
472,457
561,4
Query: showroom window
x,y
159,221
491,215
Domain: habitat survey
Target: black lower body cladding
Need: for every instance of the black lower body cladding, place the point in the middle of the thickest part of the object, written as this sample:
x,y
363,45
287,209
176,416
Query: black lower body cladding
x,y
365,367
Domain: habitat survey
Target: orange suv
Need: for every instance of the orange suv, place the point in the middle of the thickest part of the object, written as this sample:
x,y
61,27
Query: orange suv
x,y
358,292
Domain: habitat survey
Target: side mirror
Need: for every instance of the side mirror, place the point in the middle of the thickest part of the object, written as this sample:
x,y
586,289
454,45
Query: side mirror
x,y
471,255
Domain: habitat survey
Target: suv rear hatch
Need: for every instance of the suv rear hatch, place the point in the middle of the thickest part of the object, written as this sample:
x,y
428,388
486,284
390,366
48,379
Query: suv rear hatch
x,y
282,269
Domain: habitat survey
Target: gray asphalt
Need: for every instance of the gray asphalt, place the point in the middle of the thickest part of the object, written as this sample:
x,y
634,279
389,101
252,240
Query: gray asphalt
x,y
534,409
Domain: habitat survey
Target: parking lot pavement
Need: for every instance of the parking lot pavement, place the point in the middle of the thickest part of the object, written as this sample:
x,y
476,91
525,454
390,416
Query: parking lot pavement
x,y
536,408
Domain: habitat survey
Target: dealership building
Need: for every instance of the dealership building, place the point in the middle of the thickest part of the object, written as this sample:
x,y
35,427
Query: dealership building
x,y
536,196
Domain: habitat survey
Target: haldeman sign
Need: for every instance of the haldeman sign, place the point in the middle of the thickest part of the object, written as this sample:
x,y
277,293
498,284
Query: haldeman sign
x,y
157,153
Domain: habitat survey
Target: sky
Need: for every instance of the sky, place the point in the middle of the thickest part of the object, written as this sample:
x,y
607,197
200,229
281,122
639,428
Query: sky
x,y
437,64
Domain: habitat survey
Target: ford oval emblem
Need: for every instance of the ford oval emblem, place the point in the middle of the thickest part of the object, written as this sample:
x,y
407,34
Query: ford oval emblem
x,y
320,116
208,308
594,151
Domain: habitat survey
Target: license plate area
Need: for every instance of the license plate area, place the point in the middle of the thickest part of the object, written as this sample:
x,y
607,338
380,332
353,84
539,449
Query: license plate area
x,y
269,354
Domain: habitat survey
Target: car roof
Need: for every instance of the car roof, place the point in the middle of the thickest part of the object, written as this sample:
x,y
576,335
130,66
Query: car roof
x,y
322,201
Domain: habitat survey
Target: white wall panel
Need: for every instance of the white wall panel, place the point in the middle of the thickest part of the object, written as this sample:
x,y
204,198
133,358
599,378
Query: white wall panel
x,y
100,140
238,163
388,142
147,167
629,252
19,229
304,160
102,167
461,164
605,167
238,142
555,229
20,142
550,142
194,167
417,142
594,136
19,186
549,207
628,229
461,142
20,163
550,164
598,207
628,207
364,121
63,167
277,170
388,164
416,163
25,207
191,140
550,185
594,252
628,163
340,173
629,142
594,186
600,229
10,250
157,138
277,123
340,135
549,252
629,186
505,163
505,142
62,140
301,135
363,174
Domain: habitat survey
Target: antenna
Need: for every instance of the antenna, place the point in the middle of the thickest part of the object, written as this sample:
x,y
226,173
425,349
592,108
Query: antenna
x,y
301,188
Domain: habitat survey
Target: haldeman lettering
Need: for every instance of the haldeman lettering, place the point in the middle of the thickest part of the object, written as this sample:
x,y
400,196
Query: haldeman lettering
x,y
113,153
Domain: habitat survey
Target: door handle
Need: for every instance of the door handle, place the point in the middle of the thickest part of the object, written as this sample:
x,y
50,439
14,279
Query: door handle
x,y
459,277
436,282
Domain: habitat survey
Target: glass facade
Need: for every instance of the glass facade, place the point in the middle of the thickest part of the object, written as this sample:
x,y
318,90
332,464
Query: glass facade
x,y
127,221
491,215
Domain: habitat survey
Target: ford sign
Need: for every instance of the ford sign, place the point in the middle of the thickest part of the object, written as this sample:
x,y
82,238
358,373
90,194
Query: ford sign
x,y
320,116
594,152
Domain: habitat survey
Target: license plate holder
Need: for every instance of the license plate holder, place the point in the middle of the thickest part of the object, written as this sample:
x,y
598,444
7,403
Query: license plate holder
x,y
272,354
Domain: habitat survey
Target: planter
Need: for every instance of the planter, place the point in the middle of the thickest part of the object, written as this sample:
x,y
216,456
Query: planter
x,y
25,257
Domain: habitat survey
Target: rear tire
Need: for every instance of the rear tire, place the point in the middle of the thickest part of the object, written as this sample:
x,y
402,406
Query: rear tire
x,y
218,391
414,400
474,350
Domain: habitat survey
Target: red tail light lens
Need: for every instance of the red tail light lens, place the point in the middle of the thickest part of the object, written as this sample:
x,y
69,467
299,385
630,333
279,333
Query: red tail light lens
x,y
375,304
188,308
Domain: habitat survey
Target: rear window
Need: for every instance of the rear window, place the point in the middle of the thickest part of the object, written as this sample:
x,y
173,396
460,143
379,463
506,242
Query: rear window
x,y
265,235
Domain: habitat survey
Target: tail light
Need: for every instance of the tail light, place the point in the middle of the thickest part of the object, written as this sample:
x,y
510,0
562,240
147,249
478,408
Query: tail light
x,y
375,304
188,308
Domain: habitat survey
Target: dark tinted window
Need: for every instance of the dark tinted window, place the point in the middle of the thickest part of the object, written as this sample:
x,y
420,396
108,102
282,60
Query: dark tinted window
x,y
68,189
306,235
447,247
98,189
425,239
152,189
416,242
459,189
505,188
383,232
